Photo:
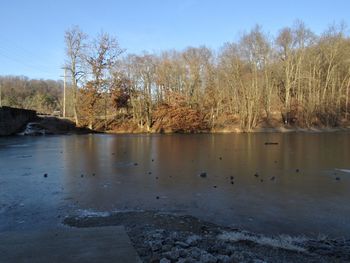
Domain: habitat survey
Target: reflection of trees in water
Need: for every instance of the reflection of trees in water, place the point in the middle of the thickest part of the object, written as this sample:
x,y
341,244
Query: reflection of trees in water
x,y
81,160
179,159
107,164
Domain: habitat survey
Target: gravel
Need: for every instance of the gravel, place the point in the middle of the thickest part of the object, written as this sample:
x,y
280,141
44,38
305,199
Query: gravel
x,y
176,238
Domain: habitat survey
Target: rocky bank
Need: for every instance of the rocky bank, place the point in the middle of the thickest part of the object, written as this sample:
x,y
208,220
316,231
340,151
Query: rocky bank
x,y
168,238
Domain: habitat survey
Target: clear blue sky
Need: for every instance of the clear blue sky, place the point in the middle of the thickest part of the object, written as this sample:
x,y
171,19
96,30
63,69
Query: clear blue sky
x,y
31,38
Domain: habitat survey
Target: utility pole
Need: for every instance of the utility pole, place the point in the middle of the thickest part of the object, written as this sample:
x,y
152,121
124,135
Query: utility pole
x,y
0,95
64,93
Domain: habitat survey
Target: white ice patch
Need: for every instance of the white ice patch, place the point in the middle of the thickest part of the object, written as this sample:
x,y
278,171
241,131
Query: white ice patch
x,y
18,145
283,241
91,213
343,170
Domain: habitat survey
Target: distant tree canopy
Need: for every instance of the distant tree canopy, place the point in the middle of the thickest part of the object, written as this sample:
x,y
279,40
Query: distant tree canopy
x,y
294,78
44,96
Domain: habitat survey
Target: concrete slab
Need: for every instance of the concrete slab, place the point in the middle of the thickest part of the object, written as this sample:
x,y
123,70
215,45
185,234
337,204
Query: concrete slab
x,y
68,245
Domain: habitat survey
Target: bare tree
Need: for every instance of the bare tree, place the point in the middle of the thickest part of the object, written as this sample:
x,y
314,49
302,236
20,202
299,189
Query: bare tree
x,y
100,58
75,48
300,76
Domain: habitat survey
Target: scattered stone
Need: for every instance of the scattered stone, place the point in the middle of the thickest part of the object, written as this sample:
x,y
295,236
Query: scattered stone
x,y
215,186
203,174
174,254
183,253
175,236
173,244
157,178
93,174
149,172
166,248
271,143
261,180
81,175
220,158
185,260
272,178
232,182
234,258
223,258
154,259
136,164
157,197
231,177
181,244
142,252
45,175
215,248
155,245
256,175
204,229
297,170
337,178
164,260
195,253
152,160
207,258
193,240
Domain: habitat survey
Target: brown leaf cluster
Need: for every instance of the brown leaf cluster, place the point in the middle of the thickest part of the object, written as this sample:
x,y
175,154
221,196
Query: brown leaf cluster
x,y
180,119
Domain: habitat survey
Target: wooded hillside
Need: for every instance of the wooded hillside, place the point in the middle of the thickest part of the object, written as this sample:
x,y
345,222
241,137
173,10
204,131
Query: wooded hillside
x,y
296,78
43,96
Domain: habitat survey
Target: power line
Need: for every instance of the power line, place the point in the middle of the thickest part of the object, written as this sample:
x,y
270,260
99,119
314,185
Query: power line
x,y
21,55
16,53
14,45
16,58
64,93
25,64
0,95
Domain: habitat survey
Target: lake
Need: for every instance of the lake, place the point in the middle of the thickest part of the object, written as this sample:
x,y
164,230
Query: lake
x,y
300,186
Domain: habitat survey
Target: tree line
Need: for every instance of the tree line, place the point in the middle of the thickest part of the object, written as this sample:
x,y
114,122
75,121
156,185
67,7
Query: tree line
x,y
295,78
44,96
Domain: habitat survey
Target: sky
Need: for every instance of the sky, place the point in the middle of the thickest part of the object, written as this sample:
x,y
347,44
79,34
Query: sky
x,y
32,32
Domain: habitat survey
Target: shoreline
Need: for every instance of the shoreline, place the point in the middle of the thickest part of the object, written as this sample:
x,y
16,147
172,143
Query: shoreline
x,y
240,131
29,123
84,131
167,237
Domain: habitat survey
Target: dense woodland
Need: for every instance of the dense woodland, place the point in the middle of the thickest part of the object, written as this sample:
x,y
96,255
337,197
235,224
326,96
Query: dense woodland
x,y
296,78
44,96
